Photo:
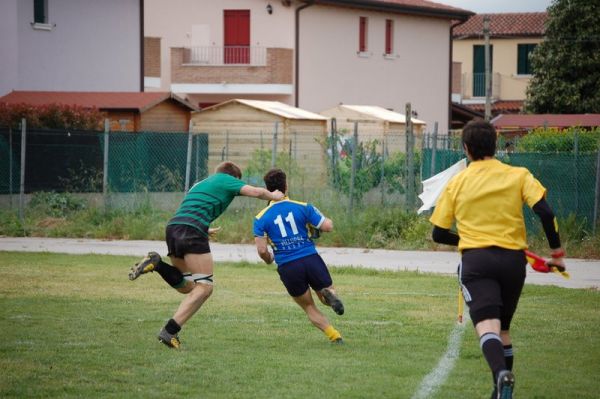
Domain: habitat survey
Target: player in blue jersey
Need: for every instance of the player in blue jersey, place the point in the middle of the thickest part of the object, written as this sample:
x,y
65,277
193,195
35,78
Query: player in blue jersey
x,y
286,225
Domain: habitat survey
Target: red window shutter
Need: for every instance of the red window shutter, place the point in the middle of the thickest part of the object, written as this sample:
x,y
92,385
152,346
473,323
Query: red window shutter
x,y
236,25
362,34
389,33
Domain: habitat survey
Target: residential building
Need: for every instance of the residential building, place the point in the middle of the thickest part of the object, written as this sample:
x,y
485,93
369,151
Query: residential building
x,y
310,54
513,36
83,45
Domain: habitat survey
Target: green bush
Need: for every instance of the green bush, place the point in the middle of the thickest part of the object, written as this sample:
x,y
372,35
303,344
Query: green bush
x,y
554,140
55,204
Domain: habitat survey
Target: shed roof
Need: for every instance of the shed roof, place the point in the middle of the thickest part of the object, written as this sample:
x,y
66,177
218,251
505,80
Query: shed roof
x,y
377,113
513,121
139,101
522,24
273,107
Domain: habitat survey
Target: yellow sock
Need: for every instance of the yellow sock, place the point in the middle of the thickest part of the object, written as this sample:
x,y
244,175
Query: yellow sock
x,y
332,333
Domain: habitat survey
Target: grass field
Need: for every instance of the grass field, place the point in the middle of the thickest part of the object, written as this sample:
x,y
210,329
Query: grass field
x,y
74,326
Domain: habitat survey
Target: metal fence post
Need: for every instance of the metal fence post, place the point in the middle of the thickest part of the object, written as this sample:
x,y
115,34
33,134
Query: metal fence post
x,y
383,170
410,181
22,177
353,171
576,168
274,154
333,150
10,166
188,161
596,194
105,163
433,148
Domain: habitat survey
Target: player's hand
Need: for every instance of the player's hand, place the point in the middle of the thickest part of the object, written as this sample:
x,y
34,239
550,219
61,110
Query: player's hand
x,y
212,231
558,263
277,195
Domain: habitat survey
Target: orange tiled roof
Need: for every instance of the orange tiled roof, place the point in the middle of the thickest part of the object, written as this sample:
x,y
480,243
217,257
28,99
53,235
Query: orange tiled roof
x,y
139,101
503,25
498,107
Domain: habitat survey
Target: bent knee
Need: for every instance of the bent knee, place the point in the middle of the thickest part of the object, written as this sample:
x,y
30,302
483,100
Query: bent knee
x,y
201,291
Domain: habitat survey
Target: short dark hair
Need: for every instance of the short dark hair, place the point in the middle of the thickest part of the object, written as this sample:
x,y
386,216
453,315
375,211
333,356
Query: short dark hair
x,y
479,137
229,168
275,179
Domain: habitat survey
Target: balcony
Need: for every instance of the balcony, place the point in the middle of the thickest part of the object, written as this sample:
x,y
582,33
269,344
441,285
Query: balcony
x,y
473,85
232,70
227,55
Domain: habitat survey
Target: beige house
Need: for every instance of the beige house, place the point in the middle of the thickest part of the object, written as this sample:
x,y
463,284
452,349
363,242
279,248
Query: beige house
x,y
237,129
513,36
375,123
309,54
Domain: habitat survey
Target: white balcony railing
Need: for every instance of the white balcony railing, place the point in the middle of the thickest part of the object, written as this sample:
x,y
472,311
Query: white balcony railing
x,y
226,55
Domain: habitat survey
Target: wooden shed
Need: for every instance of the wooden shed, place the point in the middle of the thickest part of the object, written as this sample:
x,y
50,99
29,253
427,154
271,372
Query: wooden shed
x,y
375,123
126,111
238,128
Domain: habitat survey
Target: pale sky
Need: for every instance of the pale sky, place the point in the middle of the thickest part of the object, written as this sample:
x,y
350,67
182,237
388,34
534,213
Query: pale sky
x,y
495,6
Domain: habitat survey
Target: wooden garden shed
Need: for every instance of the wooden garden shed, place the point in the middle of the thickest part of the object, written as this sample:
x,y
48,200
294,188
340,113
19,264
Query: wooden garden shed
x,y
375,123
238,128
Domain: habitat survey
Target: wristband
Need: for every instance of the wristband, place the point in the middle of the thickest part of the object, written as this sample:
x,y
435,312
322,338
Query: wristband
x,y
558,254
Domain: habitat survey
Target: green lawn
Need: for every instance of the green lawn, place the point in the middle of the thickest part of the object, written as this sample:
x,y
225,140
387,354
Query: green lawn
x,y
74,326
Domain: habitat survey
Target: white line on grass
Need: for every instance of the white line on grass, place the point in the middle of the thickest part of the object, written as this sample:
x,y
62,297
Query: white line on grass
x,y
434,380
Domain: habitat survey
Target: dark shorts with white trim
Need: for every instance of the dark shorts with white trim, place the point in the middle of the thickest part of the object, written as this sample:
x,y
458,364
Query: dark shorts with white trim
x,y
183,239
492,280
297,275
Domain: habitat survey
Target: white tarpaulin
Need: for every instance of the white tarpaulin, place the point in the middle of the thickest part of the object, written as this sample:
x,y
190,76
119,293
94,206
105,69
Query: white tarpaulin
x,y
433,187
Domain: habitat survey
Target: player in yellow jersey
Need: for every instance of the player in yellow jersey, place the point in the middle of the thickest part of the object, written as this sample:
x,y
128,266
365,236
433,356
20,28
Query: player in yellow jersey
x,y
486,203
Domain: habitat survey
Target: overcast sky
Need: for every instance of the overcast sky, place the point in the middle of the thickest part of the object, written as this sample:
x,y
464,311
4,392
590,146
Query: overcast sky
x,y
494,6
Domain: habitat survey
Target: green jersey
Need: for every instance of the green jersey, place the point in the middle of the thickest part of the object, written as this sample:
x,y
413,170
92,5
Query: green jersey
x,y
207,200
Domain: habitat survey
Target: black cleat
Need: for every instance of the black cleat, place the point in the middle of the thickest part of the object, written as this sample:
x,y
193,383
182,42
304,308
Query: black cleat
x,y
333,301
505,385
171,340
146,265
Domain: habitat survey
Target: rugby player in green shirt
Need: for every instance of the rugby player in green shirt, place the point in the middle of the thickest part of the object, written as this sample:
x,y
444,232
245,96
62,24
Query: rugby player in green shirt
x,y
187,235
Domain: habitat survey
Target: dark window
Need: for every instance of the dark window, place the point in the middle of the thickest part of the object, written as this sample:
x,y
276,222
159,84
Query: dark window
x,y
389,33
523,61
362,35
40,11
479,69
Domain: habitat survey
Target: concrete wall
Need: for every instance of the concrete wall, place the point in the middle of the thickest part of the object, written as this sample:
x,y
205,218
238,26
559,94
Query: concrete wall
x,y
89,46
332,72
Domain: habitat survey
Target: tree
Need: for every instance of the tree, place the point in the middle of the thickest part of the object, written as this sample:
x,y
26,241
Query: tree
x,y
566,64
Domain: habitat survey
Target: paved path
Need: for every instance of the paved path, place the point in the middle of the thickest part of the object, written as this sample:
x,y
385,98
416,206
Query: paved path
x,y
584,273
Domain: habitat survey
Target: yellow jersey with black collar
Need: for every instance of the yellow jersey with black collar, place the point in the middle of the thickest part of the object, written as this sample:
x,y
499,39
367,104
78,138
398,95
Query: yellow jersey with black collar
x,y
486,202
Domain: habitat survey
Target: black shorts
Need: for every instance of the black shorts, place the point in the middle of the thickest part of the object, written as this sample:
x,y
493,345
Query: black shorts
x,y
297,275
183,239
492,279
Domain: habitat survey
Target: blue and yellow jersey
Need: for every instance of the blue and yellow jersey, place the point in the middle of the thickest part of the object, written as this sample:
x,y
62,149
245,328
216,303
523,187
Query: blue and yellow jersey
x,y
286,225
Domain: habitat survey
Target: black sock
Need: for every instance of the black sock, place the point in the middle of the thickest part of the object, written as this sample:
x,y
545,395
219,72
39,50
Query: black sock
x,y
492,349
172,327
508,356
170,274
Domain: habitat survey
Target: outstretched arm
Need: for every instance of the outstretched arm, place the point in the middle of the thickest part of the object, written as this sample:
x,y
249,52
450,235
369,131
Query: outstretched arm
x,y
263,249
544,212
262,193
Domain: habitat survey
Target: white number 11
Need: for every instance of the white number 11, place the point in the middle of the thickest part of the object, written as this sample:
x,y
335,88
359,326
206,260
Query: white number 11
x,y
290,219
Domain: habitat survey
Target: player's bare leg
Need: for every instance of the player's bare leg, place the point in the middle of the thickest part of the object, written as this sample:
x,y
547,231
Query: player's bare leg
x,y
306,302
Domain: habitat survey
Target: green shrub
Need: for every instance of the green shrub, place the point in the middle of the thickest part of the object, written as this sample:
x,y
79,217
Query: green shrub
x,y
55,204
555,140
